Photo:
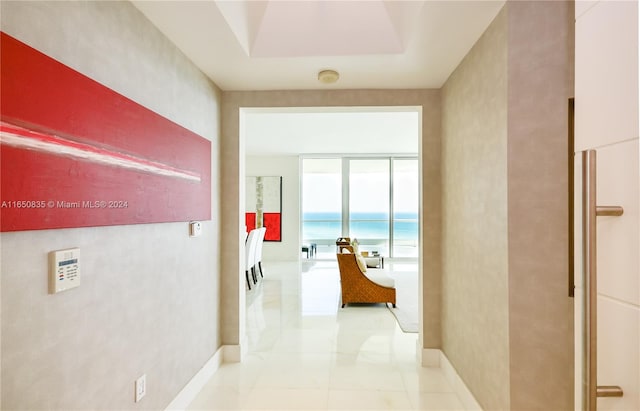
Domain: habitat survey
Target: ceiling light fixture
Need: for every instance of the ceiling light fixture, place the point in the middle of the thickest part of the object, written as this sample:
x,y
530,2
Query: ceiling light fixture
x,y
328,76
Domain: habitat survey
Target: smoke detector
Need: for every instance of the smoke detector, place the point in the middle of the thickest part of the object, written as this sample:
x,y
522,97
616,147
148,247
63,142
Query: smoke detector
x,y
328,76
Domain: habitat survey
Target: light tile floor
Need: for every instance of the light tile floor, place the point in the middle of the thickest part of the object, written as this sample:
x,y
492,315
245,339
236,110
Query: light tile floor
x,y
306,353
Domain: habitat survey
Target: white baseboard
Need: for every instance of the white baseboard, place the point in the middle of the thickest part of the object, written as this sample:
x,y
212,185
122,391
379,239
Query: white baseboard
x,y
193,387
432,357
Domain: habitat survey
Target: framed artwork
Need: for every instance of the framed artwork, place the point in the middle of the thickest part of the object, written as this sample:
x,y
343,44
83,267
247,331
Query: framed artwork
x,y
264,206
75,153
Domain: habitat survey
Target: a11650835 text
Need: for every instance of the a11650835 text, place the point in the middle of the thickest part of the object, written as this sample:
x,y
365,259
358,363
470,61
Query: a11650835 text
x,y
64,204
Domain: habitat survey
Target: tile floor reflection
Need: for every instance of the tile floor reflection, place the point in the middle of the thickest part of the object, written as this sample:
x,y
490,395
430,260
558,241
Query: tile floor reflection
x,y
306,353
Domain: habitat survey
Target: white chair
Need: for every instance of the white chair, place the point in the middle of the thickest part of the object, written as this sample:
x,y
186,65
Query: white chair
x,y
258,255
250,256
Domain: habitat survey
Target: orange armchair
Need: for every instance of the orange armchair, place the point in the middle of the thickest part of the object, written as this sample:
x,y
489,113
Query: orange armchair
x,y
358,287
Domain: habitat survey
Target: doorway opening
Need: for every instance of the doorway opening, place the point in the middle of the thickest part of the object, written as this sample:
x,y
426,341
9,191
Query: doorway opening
x,y
346,171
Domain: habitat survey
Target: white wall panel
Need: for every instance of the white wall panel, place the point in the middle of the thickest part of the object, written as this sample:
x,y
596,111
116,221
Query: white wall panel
x,y
618,237
606,119
606,74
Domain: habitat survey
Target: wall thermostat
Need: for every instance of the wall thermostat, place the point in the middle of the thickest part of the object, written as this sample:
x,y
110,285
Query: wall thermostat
x,y
64,270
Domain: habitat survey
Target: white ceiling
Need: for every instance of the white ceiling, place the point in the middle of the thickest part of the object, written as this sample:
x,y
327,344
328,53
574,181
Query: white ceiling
x,y
282,45
278,45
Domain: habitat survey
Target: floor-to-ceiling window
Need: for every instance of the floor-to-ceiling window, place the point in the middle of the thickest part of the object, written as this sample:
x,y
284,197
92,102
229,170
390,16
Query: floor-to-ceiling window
x,y
322,201
369,203
405,207
372,199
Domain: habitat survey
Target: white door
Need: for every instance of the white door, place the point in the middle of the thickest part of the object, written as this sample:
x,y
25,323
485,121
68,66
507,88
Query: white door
x,y
606,119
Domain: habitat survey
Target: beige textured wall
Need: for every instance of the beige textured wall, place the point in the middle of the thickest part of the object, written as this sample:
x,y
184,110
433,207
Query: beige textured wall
x,y
507,318
149,299
540,311
474,230
232,150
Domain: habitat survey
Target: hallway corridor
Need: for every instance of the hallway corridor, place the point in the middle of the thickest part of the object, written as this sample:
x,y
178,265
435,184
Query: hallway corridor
x,y
305,353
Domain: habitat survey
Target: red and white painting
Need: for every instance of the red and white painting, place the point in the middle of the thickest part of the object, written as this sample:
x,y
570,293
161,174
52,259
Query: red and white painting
x,y
75,153
264,206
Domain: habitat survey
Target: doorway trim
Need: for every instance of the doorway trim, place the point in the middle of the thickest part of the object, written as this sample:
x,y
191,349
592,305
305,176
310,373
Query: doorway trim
x,y
232,166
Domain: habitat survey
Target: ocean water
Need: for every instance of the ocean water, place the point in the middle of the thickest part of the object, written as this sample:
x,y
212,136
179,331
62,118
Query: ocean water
x,y
363,226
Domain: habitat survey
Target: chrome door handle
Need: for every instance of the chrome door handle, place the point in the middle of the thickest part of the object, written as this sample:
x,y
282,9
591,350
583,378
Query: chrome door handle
x,y
591,391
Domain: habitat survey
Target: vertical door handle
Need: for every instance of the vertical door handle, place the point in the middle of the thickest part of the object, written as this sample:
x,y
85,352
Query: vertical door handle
x,y
590,389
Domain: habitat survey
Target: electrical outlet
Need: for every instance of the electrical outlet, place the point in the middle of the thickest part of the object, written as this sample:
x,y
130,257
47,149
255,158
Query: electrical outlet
x,y
141,387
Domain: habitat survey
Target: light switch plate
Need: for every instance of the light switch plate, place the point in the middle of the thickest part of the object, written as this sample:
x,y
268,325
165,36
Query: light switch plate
x,y
195,228
141,387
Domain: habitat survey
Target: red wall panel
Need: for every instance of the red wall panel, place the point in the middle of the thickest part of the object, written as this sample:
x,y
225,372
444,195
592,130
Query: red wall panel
x,y
273,224
250,221
75,153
